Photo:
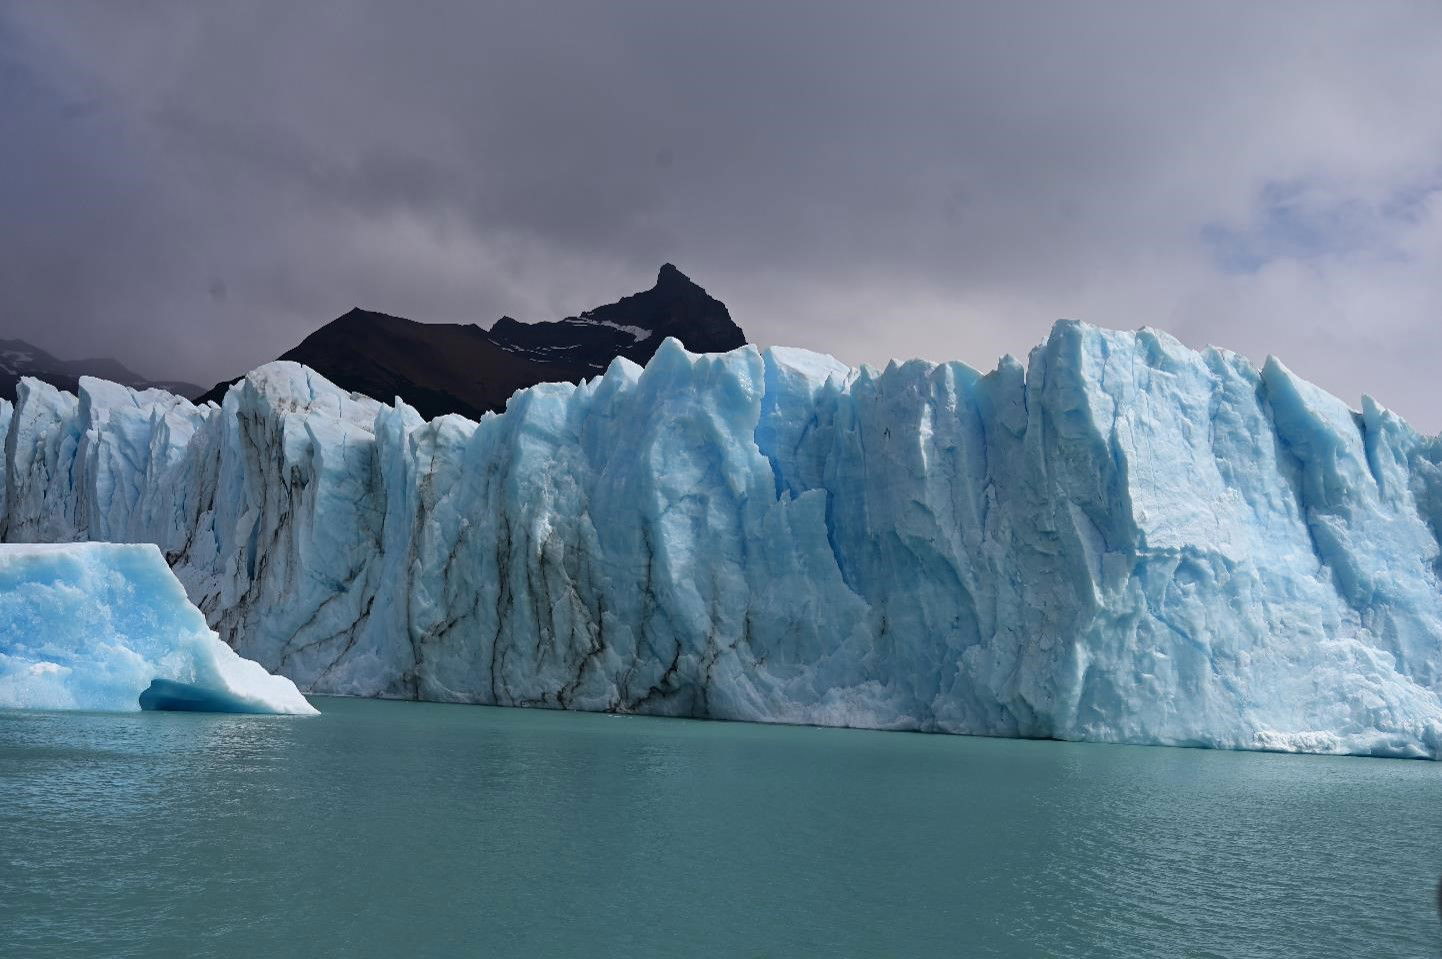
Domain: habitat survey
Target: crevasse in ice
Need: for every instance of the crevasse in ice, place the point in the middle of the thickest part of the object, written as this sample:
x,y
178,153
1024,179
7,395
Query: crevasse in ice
x,y
104,625
1125,540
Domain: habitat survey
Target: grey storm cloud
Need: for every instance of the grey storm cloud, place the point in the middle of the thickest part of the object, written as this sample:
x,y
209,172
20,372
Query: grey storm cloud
x,y
193,187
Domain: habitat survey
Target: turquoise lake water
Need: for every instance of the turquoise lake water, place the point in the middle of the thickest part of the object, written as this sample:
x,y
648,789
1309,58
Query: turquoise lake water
x,y
404,829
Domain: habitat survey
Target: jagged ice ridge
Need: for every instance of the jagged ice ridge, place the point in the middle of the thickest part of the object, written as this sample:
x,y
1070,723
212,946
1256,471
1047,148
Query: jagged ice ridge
x,y
1126,541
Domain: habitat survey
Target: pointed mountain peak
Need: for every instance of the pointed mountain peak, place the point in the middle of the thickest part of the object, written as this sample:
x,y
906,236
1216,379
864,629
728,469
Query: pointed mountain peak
x,y
350,318
669,276
359,317
358,313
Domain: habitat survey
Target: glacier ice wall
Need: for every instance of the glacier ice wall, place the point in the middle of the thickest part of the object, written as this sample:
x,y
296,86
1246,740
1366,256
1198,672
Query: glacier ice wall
x,y
1124,541
93,625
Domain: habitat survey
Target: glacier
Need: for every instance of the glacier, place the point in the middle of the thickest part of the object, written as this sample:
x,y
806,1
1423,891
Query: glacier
x,y
107,626
1123,540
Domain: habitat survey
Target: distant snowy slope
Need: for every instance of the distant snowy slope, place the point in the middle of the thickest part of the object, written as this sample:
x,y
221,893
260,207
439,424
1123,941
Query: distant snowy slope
x,y
1123,541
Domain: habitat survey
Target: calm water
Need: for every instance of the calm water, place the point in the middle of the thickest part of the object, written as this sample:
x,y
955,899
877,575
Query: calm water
x,y
386,829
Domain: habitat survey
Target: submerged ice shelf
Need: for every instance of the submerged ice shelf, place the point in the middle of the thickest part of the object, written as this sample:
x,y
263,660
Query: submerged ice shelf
x,y
101,625
1125,540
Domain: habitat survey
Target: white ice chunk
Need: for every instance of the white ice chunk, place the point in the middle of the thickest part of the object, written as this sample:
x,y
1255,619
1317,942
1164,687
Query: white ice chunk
x,y
93,625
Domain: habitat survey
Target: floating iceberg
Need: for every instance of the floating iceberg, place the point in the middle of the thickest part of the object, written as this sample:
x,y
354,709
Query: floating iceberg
x,y
1123,540
104,626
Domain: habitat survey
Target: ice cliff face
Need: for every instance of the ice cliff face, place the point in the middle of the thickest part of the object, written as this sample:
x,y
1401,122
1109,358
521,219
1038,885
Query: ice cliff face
x,y
1124,541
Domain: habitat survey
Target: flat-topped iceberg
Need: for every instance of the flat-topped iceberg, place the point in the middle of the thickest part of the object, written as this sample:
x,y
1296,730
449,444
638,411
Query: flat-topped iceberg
x,y
107,626
1122,540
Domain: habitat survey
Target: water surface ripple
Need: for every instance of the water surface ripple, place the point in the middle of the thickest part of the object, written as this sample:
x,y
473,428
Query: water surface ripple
x,y
404,829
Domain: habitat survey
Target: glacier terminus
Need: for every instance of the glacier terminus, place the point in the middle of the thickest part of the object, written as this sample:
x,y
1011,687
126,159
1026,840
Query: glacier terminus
x,y
1124,540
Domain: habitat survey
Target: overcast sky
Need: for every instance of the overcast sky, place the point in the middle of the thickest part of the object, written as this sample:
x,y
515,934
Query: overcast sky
x,y
194,187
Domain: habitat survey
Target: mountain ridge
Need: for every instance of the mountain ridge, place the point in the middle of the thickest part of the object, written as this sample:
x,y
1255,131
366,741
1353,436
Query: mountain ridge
x,y
441,368
21,358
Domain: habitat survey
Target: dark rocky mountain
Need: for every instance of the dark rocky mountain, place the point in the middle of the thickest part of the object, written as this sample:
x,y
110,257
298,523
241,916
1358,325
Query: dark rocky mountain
x,y
633,327
19,358
460,368
436,367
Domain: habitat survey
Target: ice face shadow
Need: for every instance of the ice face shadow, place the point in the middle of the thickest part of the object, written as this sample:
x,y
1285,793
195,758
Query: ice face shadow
x,y
168,695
